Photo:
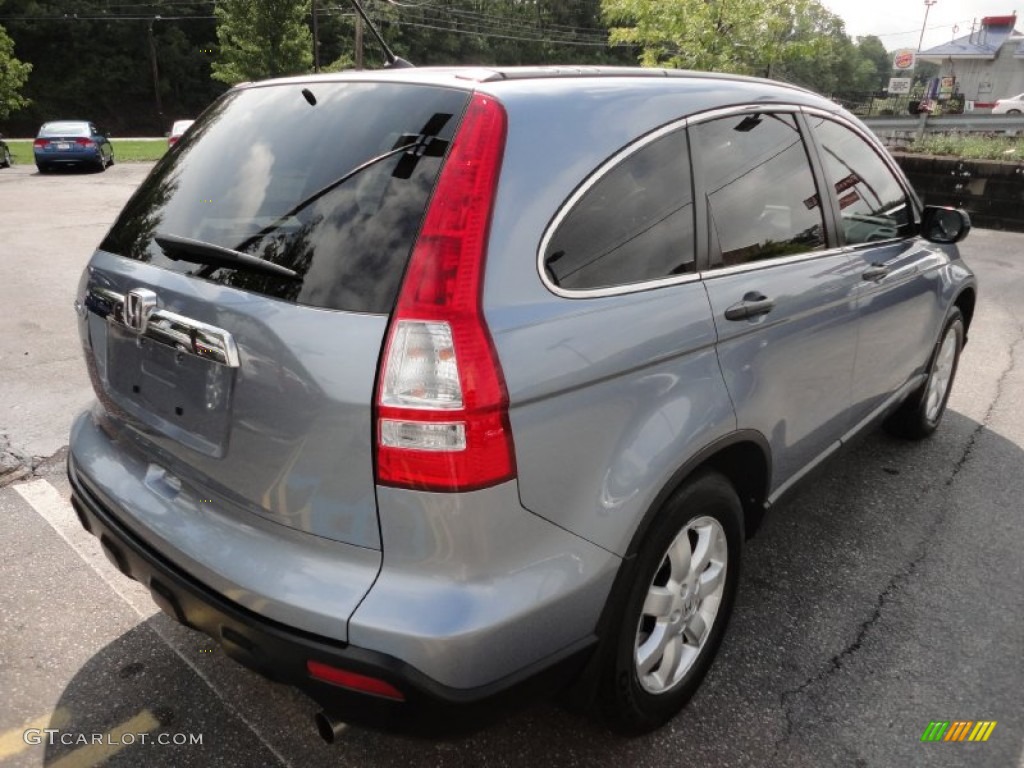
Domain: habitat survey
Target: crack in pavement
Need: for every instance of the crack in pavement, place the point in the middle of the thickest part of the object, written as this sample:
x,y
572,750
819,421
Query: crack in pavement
x,y
17,466
899,578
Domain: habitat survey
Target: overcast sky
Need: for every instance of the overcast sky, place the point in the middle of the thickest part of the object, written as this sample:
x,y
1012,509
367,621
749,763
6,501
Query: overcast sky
x,y
898,22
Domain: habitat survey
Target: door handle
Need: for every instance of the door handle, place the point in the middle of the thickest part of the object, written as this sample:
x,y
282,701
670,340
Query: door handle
x,y
875,272
753,304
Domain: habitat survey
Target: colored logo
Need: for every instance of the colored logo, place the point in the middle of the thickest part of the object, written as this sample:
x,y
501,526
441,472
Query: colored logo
x,y
958,730
904,60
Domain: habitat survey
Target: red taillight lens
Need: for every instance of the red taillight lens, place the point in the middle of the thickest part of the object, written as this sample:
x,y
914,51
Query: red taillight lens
x,y
353,681
442,407
83,142
41,143
172,140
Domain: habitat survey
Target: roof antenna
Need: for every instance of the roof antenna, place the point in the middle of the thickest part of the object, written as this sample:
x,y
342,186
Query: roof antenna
x,y
393,62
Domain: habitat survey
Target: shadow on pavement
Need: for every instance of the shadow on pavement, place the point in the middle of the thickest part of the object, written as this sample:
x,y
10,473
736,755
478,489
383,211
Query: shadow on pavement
x,y
869,606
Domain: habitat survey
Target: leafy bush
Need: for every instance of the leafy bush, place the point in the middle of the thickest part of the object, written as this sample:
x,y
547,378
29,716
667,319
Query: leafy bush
x,y
969,146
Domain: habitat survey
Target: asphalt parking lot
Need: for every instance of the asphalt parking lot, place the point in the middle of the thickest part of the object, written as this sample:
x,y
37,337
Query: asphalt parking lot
x,y
888,595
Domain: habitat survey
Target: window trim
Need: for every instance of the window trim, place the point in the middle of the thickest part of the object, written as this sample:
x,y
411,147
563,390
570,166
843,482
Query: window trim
x,y
778,261
834,239
570,205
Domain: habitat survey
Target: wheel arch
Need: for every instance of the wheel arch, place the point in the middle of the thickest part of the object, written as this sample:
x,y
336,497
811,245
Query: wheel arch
x,y
743,457
965,302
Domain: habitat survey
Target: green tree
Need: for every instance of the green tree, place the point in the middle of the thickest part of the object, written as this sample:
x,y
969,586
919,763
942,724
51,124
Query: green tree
x,y
873,52
13,75
262,38
742,36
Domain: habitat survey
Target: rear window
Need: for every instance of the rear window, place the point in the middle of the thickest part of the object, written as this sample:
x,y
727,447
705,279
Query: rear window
x,y
330,180
64,129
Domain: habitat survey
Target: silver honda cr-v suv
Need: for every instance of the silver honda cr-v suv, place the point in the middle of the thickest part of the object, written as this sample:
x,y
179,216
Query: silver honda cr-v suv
x,y
422,388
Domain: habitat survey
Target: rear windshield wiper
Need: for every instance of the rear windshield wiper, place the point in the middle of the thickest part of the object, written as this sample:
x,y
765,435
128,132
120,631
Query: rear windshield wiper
x,y
412,145
198,252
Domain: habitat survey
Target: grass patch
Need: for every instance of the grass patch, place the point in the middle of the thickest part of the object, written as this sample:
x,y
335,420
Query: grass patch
x,y
970,147
124,151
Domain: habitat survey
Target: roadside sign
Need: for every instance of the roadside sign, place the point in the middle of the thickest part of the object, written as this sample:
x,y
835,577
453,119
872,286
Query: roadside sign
x,y
899,85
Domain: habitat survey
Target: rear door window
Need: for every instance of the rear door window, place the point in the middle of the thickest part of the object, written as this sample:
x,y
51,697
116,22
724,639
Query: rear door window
x,y
634,224
761,197
330,180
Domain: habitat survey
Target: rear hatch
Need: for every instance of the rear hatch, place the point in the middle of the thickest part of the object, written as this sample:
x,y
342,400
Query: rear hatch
x,y
236,310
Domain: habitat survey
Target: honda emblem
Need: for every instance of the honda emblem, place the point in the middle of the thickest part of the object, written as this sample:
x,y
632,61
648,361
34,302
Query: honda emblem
x,y
138,306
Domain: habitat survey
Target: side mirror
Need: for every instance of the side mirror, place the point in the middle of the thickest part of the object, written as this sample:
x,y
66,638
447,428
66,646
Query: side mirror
x,y
944,225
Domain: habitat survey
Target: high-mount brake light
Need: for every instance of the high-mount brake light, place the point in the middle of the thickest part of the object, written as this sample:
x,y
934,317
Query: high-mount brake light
x,y
442,408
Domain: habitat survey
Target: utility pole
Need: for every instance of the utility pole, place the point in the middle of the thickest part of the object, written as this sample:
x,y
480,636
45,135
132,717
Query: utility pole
x,y
156,74
359,42
316,41
927,7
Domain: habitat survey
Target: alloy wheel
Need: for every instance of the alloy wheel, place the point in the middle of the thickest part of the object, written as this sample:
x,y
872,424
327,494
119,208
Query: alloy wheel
x,y
681,605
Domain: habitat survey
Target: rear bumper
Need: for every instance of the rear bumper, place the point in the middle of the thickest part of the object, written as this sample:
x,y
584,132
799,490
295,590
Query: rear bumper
x,y
473,598
69,157
281,653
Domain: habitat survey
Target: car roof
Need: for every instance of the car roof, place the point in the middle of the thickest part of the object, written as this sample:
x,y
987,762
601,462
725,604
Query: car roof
x,y
691,92
489,78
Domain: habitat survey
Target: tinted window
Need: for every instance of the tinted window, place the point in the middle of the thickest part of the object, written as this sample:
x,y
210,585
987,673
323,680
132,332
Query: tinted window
x,y
275,172
872,204
761,198
633,225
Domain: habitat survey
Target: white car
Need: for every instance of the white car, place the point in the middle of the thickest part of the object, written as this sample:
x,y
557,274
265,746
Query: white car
x,y
1011,106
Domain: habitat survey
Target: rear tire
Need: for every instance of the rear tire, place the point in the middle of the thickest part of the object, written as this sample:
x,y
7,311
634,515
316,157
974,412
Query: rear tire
x,y
42,168
677,608
1013,112
920,414
8,161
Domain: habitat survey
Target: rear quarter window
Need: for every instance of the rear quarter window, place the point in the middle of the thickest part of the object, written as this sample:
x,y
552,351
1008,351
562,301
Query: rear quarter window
x,y
330,180
631,223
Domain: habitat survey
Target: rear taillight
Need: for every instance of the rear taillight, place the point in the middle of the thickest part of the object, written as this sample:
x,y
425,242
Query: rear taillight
x,y
442,408
83,142
172,140
41,143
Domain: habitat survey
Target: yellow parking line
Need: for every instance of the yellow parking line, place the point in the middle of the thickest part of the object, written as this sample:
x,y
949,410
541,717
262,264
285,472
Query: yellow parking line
x,y
94,754
12,742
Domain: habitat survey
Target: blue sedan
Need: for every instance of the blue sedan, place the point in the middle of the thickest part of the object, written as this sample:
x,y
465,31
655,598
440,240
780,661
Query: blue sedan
x,y
71,142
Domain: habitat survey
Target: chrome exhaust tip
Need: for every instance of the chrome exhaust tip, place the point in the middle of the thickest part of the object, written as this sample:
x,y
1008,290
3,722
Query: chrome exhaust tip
x,y
329,728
